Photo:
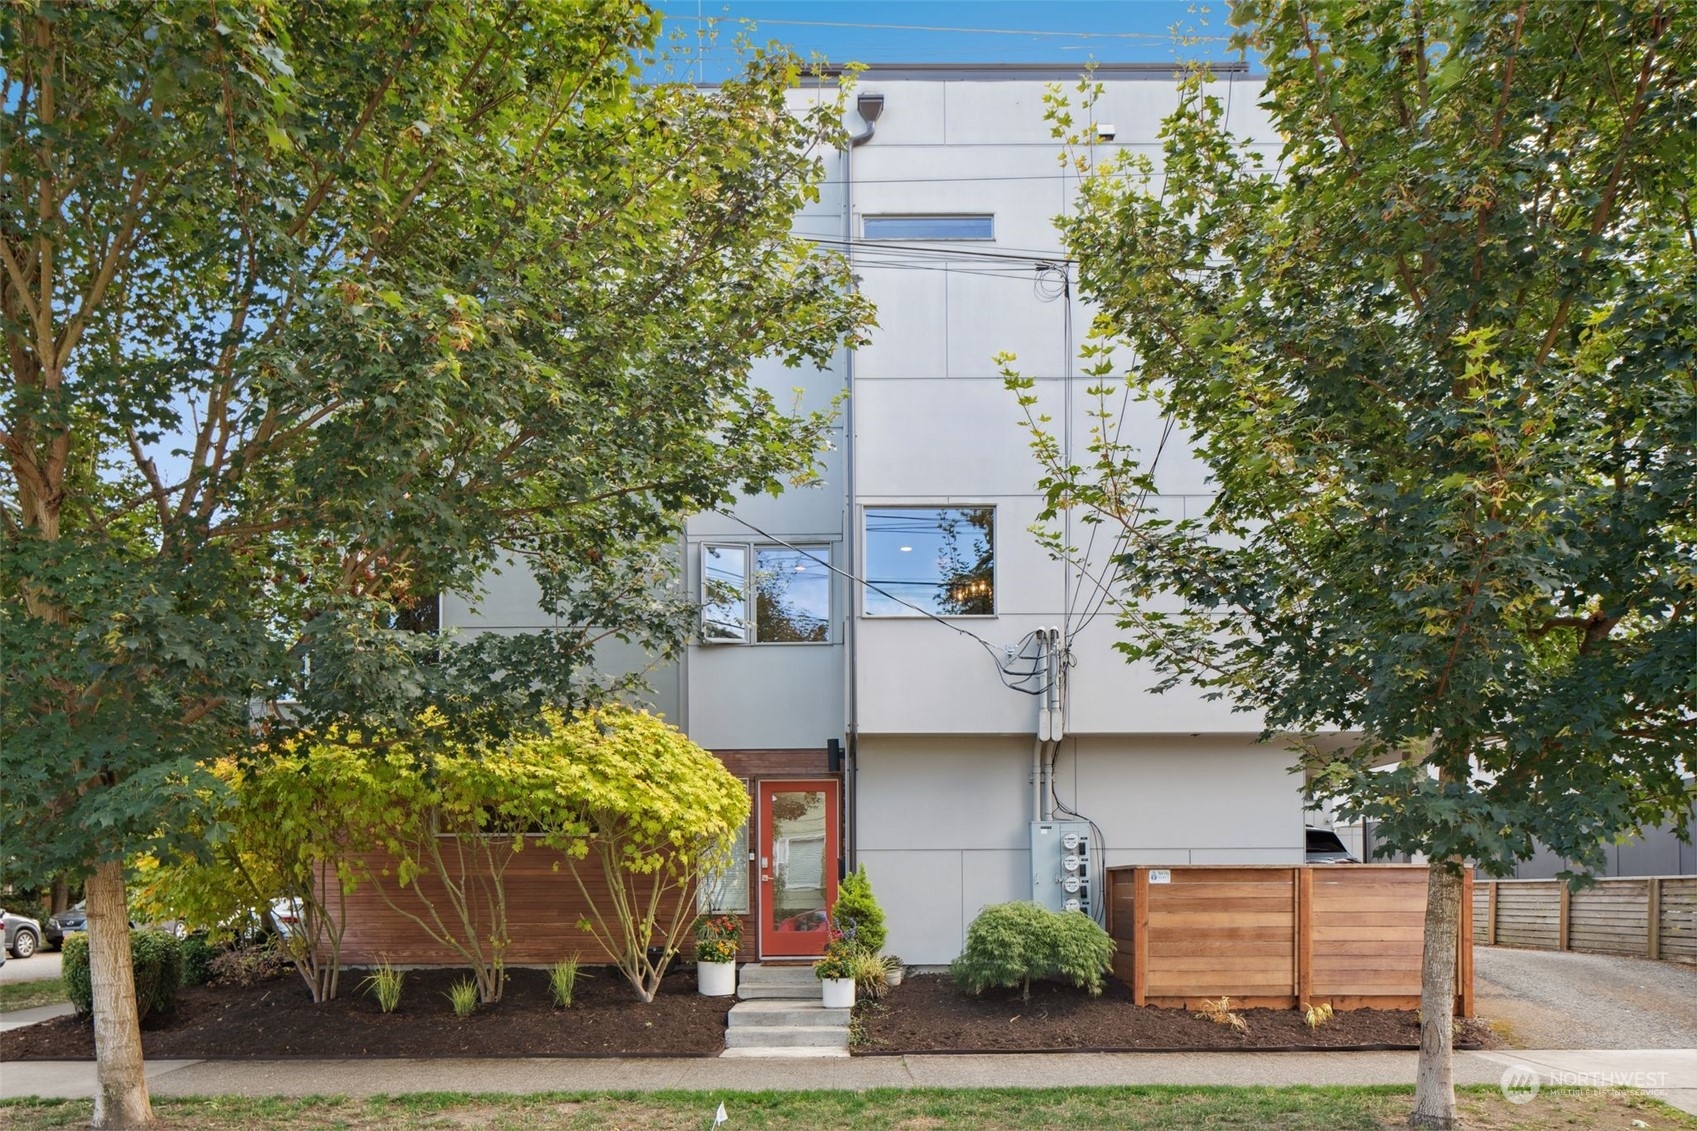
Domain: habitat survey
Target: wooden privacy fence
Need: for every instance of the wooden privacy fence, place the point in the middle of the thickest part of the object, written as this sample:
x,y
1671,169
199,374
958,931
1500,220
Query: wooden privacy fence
x,y
1278,936
1646,916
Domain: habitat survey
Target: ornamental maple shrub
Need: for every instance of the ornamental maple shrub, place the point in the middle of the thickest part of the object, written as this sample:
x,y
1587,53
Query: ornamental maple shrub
x,y
1009,944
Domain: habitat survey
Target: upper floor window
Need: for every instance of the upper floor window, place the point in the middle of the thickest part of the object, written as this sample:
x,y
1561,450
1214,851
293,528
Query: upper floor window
x,y
765,594
953,226
939,560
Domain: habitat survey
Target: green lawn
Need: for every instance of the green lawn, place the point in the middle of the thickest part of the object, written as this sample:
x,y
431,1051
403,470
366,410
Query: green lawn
x,y
26,995
1061,1109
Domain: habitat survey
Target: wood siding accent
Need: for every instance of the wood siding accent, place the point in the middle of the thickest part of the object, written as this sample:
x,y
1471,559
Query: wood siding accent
x,y
543,909
1644,916
1277,936
544,904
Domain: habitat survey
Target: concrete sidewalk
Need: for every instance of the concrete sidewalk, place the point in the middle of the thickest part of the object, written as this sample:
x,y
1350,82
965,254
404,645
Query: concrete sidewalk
x,y
18,1018
1670,1075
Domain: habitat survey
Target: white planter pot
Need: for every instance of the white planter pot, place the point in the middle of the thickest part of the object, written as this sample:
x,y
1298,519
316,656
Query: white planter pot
x,y
893,976
716,979
839,992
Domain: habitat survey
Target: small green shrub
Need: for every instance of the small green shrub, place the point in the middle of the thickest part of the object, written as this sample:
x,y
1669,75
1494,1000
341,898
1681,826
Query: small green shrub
x,y
384,982
463,995
157,958
73,968
857,914
1009,944
197,960
562,981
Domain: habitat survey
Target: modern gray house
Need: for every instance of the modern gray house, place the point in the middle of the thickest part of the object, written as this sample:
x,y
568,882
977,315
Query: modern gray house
x,y
903,675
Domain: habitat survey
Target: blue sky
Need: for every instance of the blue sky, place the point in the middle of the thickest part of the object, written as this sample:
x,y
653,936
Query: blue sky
x,y
966,31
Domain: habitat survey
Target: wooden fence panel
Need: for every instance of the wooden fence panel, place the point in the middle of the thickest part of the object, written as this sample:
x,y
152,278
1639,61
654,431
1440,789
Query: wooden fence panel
x,y
1679,918
1642,916
1277,936
1528,914
1350,958
1610,917
1253,904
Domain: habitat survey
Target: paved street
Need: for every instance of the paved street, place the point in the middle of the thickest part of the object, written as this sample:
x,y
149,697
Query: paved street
x,y
40,967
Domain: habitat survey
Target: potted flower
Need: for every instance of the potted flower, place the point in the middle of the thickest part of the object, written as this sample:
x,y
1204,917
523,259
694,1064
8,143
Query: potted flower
x,y
717,938
893,970
836,970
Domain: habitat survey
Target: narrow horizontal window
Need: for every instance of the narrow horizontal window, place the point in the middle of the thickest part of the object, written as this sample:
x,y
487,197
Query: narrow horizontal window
x,y
938,560
938,227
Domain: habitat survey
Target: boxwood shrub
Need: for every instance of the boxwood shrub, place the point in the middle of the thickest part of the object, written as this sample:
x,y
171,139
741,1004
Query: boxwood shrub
x,y
158,961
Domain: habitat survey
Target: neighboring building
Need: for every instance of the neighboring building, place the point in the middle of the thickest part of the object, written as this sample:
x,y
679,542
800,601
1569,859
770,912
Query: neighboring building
x,y
888,709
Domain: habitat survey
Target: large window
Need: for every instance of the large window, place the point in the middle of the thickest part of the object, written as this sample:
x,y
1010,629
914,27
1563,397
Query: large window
x,y
765,594
939,560
929,227
726,889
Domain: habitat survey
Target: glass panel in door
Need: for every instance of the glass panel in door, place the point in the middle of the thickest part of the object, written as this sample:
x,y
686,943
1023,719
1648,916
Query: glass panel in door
x,y
798,866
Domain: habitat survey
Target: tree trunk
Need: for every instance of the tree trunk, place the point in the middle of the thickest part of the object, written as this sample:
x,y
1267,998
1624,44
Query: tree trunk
x,y
120,1100
1434,1084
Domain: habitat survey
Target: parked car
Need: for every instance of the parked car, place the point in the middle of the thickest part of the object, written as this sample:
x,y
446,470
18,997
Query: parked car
x,y
22,934
1324,847
68,922
74,920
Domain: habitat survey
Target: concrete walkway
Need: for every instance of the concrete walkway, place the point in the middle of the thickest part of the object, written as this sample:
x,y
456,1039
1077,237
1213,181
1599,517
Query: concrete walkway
x,y
18,1018
1669,1074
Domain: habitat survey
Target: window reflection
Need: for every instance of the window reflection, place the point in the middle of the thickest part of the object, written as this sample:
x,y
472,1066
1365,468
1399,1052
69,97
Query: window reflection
x,y
792,596
936,560
724,613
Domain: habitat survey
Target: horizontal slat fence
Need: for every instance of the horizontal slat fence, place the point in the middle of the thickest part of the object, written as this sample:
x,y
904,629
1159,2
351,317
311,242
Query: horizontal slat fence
x,y
1277,937
1645,916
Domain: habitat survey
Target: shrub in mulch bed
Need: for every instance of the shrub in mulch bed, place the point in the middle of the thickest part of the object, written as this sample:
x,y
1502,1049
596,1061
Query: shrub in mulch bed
x,y
277,1018
927,1013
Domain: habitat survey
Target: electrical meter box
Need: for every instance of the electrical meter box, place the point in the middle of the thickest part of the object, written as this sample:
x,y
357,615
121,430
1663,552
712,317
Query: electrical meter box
x,y
1063,866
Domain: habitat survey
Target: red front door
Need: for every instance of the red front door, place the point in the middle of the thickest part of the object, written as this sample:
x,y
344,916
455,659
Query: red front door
x,y
798,866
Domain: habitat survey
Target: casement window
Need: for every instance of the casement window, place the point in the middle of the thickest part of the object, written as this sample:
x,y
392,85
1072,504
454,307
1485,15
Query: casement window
x,y
939,226
753,594
936,560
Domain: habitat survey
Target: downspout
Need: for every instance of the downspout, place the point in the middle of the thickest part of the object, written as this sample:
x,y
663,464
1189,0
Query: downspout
x,y
869,107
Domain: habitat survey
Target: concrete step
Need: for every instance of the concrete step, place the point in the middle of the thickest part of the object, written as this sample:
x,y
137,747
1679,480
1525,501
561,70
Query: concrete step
x,y
779,1012
789,1036
780,993
774,1053
756,972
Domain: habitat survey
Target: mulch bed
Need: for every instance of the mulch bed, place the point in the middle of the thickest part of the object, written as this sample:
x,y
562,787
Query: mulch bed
x,y
926,1013
277,1018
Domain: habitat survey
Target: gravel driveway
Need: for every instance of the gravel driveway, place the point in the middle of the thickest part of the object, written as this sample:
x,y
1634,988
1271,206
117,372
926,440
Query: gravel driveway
x,y
1544,999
